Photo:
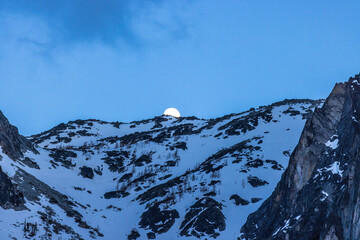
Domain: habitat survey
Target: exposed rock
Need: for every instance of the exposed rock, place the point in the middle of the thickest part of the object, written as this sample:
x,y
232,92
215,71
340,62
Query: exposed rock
x,y
158,191
171,163
125,177
151,235
63,156
243,148
318,195
115,160
203,218
239,200
87,172
248,122
143,159
30,163
179,145
133,235
275,164
185,129
10,196
256,182
33,189
11,142
159,221
98,171
48,219
116,194
255,163
255,200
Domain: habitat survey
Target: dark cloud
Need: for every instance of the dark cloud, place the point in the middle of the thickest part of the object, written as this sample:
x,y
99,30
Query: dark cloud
x,y
69,21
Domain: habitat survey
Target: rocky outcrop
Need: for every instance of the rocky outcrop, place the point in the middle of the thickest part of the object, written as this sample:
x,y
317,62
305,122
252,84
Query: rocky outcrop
x,y
318,196
13,145
86,172
11,142
63,157
159,221
10,197
204,217
239,200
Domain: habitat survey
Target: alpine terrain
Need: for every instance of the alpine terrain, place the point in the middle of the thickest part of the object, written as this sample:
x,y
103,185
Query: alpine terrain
x,y
318,196
188,178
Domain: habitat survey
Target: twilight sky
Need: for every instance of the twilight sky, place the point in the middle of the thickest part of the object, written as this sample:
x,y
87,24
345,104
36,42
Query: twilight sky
x,y
123,60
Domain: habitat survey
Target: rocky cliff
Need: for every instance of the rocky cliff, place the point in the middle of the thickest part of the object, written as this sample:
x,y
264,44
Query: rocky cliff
x,y
13,145
11,142
318,196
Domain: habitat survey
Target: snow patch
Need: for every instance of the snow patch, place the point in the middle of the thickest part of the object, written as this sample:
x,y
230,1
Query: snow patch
x,y
325,195
333,143
335,169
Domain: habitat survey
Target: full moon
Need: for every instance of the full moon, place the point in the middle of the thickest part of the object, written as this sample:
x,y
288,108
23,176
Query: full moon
x,y
172,112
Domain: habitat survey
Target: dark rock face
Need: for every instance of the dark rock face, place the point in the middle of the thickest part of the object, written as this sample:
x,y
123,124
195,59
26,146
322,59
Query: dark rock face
x,y
33,189
87,172
247,123
151,235
63,156
256,182
11,142
115,160
319,193
10,197
204,217
239,200
179,145
133,235
115,194
30,163
158,221
142,160
13,145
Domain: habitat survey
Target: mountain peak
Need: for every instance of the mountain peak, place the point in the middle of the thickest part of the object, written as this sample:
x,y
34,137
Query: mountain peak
x,y
316,195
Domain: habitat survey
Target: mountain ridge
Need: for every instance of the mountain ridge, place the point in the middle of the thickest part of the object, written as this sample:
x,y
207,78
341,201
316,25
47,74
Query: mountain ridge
x,y
151,177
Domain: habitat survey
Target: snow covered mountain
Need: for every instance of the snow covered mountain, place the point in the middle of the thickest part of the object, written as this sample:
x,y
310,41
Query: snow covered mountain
x,y
161,178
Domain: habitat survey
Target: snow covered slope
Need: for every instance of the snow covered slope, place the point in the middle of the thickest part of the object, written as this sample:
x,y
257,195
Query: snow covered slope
x,y
163,178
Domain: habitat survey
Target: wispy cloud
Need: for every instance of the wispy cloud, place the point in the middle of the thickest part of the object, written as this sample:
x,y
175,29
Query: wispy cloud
x,y
109,22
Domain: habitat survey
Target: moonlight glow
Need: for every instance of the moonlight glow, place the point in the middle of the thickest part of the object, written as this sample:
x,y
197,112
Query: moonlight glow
x,y
172,112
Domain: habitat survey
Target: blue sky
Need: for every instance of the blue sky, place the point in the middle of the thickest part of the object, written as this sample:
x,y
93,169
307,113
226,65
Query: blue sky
x,y
130,60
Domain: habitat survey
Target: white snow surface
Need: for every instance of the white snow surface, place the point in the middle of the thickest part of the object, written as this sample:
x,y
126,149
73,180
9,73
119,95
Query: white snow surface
x,y
333,143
